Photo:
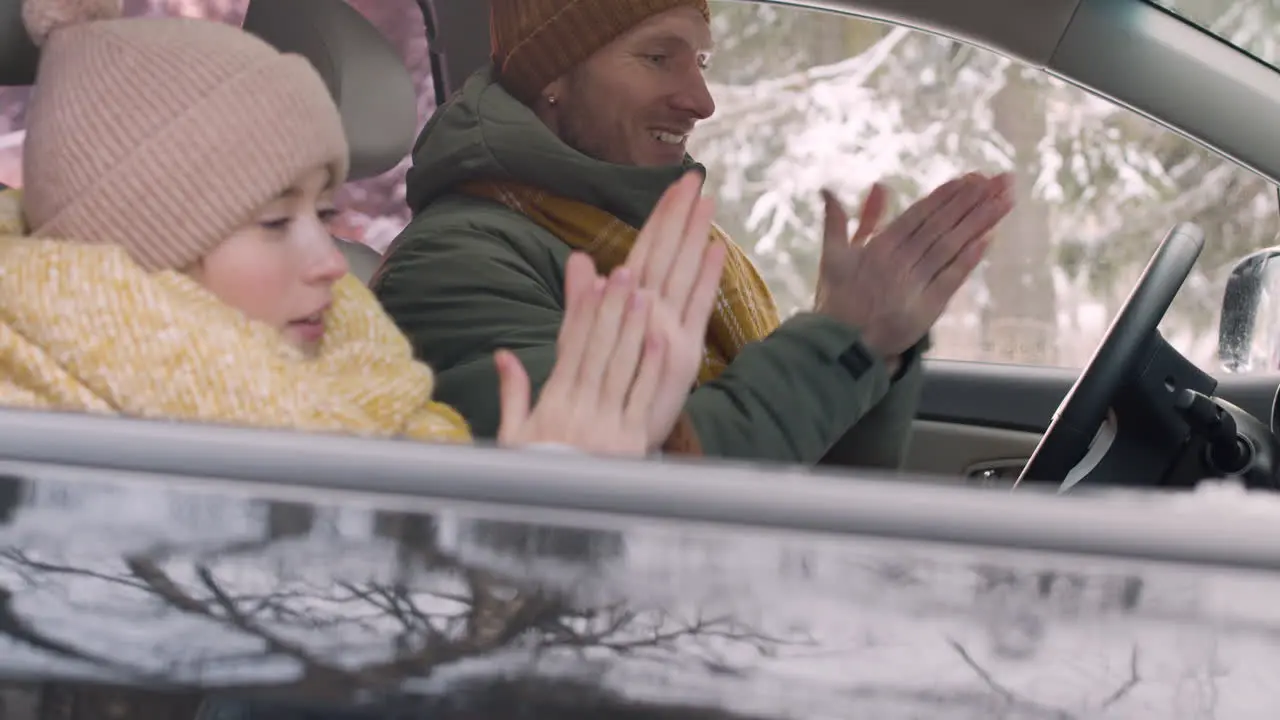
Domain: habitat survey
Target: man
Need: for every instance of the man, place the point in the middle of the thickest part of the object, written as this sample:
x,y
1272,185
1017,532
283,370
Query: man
x,y
566,143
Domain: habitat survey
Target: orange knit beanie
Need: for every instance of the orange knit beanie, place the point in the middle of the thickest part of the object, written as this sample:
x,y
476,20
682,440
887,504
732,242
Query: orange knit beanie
x,y
537,41
164,135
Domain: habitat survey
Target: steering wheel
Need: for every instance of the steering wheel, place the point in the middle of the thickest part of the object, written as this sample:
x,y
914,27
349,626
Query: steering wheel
x,y
1082,412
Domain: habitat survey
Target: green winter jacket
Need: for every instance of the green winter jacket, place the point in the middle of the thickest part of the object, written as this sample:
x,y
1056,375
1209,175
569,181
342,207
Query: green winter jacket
x,y
469,276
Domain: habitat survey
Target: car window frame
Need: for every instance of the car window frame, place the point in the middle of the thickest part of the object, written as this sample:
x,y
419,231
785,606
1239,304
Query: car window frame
x,y
1153,527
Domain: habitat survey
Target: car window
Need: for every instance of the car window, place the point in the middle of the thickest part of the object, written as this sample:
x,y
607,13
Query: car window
x,y
808,99
374,210
1251,25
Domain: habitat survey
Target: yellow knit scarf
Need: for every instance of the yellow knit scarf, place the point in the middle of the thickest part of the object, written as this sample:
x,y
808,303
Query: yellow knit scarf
x,y
83,328
745,311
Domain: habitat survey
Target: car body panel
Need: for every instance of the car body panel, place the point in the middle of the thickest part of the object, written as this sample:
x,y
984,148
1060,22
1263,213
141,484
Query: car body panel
x,y
164,595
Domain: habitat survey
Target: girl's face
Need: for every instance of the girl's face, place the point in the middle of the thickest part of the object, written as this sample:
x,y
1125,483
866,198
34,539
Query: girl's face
x,y
280,269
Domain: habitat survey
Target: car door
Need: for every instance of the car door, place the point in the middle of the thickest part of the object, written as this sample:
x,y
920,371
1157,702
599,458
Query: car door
x,y
810,97
148,568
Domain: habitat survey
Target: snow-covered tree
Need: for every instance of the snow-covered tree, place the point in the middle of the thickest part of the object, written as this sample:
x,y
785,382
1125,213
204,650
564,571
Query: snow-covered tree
x,y
810,100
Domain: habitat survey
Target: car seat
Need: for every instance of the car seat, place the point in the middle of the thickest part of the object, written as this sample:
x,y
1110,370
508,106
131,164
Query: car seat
x,y
366,75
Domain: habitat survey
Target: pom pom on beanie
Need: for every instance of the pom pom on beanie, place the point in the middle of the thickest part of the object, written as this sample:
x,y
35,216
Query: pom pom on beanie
x,y
44,17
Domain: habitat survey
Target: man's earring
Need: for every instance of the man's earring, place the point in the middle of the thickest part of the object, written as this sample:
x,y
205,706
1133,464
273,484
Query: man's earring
x,y
552,100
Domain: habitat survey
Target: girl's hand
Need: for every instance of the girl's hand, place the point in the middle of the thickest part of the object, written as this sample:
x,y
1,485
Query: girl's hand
x,y
609,367
675,259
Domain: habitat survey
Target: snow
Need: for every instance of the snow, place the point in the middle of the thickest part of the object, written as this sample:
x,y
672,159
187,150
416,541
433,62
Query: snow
x,y
914,110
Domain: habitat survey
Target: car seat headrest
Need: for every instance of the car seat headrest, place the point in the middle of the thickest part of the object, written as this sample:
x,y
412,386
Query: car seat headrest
x,y
18,55
362,260
365,74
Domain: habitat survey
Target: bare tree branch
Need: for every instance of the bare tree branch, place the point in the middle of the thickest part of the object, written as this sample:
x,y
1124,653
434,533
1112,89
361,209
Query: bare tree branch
x,y
317,673
236,617
17,556
497,612
1005,694
1134,678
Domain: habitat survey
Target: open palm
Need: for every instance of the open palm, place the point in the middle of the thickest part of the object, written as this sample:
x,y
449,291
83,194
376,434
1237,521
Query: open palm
x,y
675,258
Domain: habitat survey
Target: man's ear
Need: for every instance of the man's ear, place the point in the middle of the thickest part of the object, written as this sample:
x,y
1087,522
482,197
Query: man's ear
x,y
554,93
548,102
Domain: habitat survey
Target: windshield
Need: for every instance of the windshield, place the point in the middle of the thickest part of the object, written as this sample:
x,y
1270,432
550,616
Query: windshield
x,y
1250,25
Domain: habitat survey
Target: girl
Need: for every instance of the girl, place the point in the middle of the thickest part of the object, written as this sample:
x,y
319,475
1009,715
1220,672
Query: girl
x,y
168,257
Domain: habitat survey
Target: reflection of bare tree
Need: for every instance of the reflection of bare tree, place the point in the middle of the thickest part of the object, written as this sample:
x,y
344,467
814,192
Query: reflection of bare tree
x,y
522,540
432,627
18,629
57,701
492,699
488,699
1118,592
1012,701
14,627
286,519
1196,688
13,491
413,535
505,699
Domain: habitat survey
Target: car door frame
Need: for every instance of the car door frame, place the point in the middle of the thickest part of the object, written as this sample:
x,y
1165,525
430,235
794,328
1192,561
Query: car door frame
x,y
422,477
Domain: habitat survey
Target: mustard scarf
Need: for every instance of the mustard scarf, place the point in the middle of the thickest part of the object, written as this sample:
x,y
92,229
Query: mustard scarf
x,y
745,311
84,328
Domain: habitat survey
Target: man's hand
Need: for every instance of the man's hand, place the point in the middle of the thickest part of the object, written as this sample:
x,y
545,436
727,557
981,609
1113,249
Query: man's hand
x,y
892,285
673,259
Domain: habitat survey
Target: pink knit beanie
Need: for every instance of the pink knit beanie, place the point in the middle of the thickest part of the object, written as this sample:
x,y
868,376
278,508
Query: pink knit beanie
x,y
164,135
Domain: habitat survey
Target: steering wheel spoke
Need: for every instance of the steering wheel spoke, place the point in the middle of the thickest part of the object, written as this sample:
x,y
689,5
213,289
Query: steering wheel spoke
x,y
1073,433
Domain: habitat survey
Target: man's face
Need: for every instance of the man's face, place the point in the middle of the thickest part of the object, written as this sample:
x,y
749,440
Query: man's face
x,y
636,101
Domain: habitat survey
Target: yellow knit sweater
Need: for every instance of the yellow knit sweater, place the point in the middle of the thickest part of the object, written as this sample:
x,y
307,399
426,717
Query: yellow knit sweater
x,y
82,327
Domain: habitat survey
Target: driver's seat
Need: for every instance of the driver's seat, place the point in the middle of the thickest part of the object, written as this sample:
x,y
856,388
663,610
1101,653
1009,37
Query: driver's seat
x,y
369,82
